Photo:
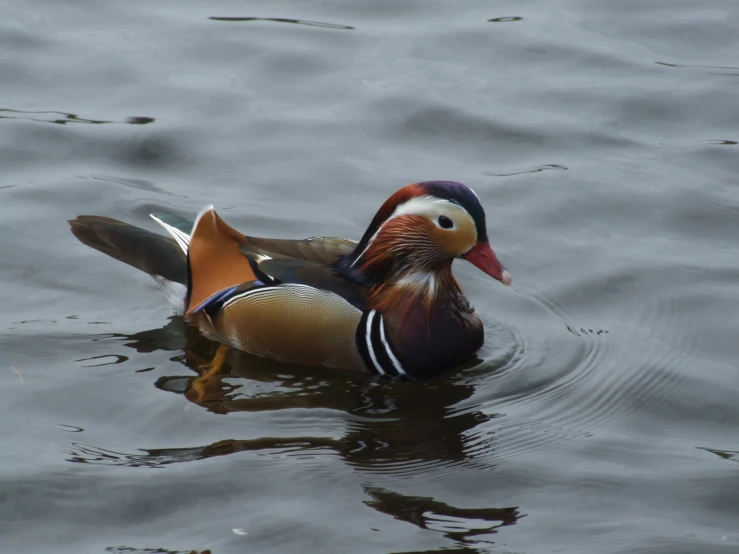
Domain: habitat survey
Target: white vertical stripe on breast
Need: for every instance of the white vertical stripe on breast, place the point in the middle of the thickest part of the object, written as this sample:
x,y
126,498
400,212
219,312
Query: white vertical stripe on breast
x,y
393,359
368,338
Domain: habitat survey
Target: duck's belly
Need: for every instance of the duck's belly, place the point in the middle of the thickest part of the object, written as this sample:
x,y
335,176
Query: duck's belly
x,y
289,323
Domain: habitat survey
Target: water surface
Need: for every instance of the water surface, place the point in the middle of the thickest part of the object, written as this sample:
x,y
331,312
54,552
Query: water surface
x,y
601,415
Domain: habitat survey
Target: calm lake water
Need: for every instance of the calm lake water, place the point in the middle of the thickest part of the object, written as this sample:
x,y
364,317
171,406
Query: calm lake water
x,y
603,414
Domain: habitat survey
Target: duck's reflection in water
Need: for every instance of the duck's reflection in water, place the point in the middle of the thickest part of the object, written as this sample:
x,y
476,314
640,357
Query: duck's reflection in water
x,y
427,513
395,426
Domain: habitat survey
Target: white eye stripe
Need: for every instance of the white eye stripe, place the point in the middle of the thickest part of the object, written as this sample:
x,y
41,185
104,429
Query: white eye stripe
x,y
428,206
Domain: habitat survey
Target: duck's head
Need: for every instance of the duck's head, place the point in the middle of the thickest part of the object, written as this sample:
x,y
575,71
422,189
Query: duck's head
x,y
421,229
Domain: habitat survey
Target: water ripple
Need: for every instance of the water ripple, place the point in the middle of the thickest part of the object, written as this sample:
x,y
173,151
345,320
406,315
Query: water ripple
x,y
505,19
140,184
731,455
557,390
699,144
717,70
135,550
54,117
321,24
522,171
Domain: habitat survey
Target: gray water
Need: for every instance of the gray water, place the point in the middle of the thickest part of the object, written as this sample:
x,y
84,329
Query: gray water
x,y
602,416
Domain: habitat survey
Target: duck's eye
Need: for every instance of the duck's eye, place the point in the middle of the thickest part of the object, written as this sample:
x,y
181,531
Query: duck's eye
x,y
445,222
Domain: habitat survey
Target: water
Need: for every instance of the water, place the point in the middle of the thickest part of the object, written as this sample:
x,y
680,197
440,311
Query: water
x,y
601,136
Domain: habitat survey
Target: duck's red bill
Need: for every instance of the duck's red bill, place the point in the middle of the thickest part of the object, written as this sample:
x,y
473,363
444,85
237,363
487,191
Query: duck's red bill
x,y
483,258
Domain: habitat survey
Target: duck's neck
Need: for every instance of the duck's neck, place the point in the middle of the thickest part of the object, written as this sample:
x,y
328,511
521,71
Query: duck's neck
x,y
430,324
417,286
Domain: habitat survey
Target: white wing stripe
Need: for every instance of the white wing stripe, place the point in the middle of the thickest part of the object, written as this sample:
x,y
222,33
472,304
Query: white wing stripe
x,y
182,239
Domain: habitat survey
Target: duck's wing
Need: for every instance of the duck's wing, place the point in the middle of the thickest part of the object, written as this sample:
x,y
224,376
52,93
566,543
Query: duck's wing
x,y
306,262
215,263
301,272
282,308
317,250
220,260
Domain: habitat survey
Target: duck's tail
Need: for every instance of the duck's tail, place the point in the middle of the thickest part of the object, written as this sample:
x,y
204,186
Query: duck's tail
x,y
200,259
164,258
154,254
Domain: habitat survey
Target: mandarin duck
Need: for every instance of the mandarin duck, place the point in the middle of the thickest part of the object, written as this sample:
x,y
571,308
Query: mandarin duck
x,y
386,305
